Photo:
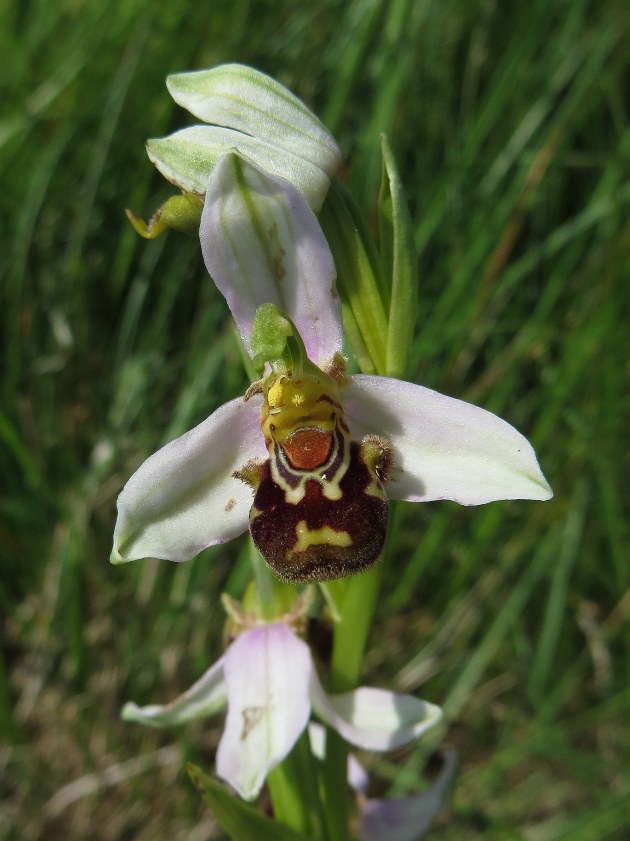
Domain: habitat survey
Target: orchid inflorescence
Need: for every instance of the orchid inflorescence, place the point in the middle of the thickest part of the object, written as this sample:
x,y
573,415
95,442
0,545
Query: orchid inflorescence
x,y
309,457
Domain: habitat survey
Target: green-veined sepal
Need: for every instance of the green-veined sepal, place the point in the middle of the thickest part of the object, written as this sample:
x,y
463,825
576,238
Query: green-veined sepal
x,y
246,100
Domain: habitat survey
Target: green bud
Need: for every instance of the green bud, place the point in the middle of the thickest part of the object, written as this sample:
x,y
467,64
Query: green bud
x,y
182,213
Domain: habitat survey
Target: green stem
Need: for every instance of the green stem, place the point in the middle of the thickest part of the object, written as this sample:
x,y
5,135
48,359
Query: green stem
x,y
273,597
356,598
335,786
357,610
293,787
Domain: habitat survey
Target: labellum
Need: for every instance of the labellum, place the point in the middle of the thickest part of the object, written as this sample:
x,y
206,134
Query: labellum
x,y
320,509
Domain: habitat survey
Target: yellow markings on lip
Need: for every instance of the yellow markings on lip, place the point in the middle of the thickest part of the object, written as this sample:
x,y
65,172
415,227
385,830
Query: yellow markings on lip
x,y
285,392
289,404
325,536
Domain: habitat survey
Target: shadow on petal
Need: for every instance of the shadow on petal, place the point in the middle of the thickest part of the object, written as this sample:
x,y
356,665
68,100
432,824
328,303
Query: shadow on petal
x,y
444,448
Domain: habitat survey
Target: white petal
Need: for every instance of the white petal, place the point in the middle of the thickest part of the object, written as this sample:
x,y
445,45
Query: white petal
x,y
407,818
205,697
262,244
267,675
443,448
184,497
358,779
186,158
317,738
239,97
374,719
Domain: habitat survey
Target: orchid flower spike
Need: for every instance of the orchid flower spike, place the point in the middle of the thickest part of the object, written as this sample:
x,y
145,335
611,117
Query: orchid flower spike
x,y
312,453
269,684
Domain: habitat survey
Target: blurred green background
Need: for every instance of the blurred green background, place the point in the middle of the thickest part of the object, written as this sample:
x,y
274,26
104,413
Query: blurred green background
x,y
511,126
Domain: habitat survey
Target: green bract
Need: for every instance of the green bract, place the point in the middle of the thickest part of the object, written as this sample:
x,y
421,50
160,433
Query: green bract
x,y
378,287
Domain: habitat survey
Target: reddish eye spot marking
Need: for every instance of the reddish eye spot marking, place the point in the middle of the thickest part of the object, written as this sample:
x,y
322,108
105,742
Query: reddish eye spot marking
x,y
308,448
317,538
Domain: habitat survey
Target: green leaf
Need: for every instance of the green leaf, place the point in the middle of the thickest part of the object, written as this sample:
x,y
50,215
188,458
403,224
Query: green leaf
x,y
238,819
359,281
294,790
400,264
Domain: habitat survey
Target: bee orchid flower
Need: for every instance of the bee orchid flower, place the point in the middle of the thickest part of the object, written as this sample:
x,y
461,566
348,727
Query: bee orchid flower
x,y
269,684
310,456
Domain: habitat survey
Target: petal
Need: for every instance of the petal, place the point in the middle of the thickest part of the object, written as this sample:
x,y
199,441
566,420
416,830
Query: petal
x,y
262,244
241,98
187,157
443,448
205,697
374,719
267,674
358,779
407,818
184,497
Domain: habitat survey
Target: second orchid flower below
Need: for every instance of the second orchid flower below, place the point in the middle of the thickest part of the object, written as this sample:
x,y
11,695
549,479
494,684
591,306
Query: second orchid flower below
x,y
268,682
